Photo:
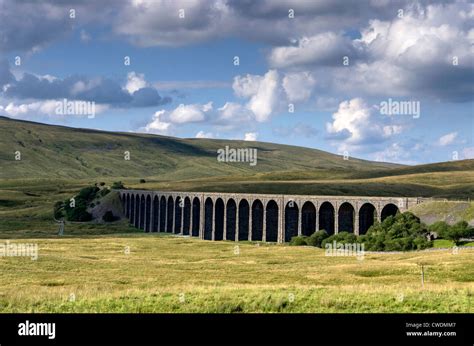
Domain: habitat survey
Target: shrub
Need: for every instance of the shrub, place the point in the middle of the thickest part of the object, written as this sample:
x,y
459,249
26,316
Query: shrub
x,y
82,200
142,181
341,237
317,238
397,233
109,217
439,228
117,185
102,183
87,193
457,231
59,210
298,241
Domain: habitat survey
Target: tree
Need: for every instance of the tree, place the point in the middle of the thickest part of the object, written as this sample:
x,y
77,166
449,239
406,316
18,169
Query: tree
x,y
401,232
439,227
457,231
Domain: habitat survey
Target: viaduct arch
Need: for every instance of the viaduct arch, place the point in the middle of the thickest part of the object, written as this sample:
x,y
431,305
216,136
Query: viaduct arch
x,y
255,217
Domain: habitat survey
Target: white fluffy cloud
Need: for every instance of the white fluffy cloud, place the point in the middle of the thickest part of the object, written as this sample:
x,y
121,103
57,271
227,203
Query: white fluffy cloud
x,y
427,52
165,122
135,81
157,125
251,136
202,134
190,113
47,108
263,92
26,109
356,125
447,139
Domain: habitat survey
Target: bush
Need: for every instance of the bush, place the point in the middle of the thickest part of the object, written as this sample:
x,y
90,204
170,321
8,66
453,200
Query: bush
x,y
457,231
402,232
439,228
87,193
109,217
102,183
341,237
317,238
59,210
82,200
117,185
142,181
78,214
298,241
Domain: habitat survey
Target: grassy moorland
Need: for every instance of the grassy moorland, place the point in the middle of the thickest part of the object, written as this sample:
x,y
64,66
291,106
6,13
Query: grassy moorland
x,y
173,274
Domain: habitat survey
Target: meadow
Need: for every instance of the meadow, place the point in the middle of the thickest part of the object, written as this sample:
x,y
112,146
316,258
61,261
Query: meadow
x,y
163,273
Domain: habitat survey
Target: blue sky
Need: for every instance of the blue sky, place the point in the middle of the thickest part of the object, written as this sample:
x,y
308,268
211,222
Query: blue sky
x,y
335,63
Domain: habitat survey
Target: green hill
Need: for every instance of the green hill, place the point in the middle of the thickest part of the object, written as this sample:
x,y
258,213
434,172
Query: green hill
x,y
58,155
61,152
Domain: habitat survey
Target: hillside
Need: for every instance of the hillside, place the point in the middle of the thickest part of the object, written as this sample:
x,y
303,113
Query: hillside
x,y
61,152
58,155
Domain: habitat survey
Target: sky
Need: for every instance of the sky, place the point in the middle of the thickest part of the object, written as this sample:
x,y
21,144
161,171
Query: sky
x,y
380,80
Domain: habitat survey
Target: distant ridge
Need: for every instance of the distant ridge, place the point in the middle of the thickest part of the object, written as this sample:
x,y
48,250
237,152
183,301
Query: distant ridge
x,y
49,151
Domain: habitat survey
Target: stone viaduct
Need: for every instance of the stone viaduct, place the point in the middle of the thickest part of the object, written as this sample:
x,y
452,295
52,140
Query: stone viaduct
x,y
255,217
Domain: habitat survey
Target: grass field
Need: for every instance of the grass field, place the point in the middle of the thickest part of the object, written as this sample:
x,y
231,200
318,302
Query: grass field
x,y
174,274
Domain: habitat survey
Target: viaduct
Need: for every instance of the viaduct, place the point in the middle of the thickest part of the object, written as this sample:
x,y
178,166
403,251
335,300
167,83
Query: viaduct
x,y
255,217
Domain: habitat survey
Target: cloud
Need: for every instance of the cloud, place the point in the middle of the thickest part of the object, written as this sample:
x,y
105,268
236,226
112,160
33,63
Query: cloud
x,y
158,23
298,86
326,49
192,84
263,92
5,75
355,126
157,125
190,113
98,89
32,25
135,82
202,134
148,97
250,136
426,53
42,108
447,139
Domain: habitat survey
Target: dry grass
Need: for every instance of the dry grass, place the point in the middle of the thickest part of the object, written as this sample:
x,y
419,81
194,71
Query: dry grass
x,y
175,274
